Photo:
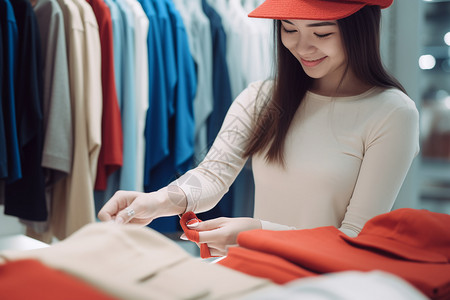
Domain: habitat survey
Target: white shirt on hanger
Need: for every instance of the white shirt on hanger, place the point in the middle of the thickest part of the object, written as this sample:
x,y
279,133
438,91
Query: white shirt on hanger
x,y
141,25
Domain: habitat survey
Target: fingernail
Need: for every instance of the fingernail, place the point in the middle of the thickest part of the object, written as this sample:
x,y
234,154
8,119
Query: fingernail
x,y
120,220
183,237
192,223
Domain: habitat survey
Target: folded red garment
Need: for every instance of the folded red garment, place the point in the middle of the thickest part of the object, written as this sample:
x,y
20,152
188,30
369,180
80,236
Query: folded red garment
x,y
263,265
30,279
325,249
192,234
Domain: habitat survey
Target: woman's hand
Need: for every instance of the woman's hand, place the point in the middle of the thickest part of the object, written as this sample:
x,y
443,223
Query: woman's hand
x,y
222,233
142,208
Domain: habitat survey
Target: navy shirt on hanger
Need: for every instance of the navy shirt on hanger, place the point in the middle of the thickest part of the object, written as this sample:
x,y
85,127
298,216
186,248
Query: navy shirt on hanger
x,y
3,153
9,41
25,198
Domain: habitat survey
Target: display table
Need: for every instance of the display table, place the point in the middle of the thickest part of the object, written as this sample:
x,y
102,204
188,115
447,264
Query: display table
x,y
20,242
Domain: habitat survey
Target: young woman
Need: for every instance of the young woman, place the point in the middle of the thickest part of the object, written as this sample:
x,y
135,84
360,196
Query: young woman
x,y
331,137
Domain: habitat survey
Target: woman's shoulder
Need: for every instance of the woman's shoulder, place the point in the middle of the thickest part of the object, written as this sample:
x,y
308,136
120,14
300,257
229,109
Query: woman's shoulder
x,y
393,98
388,106
256,95
260,88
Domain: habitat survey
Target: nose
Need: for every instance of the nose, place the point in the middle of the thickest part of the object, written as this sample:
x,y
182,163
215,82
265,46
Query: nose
x,y
304,46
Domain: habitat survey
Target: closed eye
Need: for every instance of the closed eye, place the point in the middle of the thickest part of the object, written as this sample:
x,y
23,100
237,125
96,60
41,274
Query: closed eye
x,y
321,36
287,30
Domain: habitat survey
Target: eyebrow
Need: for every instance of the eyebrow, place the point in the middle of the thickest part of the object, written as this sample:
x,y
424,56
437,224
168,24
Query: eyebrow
x,y
314,24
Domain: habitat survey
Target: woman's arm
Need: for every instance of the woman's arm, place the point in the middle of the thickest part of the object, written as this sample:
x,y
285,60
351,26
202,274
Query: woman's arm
x,y
390,148
205,185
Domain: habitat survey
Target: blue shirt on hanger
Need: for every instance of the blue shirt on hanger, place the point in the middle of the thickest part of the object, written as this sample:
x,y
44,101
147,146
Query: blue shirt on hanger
x,y
156,128
3,152
10,43
168,53
182,125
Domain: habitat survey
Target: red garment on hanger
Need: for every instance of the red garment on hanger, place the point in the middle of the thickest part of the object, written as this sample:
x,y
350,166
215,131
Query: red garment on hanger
x,y
30,279
110,157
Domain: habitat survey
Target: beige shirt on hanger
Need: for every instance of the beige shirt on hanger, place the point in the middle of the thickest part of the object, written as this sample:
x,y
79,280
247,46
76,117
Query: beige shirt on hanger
x,y
73,205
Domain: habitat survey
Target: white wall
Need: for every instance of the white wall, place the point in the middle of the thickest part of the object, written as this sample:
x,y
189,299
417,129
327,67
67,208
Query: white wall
x,y
9,225
400,45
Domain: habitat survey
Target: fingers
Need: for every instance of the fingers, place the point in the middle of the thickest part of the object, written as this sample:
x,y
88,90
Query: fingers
x,y
205,225
117,203
125,215
210,236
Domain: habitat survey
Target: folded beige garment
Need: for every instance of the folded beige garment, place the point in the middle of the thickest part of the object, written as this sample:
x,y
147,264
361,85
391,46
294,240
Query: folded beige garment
x,y
134,262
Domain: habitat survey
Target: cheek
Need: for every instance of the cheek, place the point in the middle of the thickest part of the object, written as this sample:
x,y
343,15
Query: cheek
x,y
337,50
288,41
290,45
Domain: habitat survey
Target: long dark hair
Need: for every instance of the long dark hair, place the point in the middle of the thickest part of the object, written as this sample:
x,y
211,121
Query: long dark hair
x,y
361,38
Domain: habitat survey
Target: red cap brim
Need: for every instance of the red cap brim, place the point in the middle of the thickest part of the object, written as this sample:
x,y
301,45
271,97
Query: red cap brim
x,y
310,9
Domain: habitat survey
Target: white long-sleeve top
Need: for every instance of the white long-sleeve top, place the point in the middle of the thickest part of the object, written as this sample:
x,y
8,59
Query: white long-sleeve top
x,y
346,159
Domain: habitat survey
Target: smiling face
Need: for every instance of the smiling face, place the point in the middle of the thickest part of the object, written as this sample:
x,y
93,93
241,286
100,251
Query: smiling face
x,y
318,47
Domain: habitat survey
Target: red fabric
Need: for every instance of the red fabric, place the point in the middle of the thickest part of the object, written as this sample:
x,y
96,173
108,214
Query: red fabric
x,y
263,265
312,9
324,250
111,152
415,235
30,279
192,234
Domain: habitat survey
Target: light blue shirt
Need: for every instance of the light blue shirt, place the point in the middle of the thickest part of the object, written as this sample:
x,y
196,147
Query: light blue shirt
x,y
128,100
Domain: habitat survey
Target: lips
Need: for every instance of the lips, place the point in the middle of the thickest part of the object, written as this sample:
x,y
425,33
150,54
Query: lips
x,y
312,63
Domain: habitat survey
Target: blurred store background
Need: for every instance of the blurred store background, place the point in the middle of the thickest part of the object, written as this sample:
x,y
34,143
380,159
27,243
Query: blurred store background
x,y
419,32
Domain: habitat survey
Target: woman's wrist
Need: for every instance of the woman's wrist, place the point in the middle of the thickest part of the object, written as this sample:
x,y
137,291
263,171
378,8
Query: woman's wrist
x,y
172,199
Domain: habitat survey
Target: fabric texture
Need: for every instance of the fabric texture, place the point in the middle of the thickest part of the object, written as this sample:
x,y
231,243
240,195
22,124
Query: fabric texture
x,y
110,157
141,33
189,218
411,234
58,126
3,152
58,143
349,285
200,44
74,206
264,265
337,150
326,250
43,283
127,179
181,125
10,47
134,262
25,198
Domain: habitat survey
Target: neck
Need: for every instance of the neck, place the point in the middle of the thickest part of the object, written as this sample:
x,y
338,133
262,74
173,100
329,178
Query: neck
x,y
349,85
